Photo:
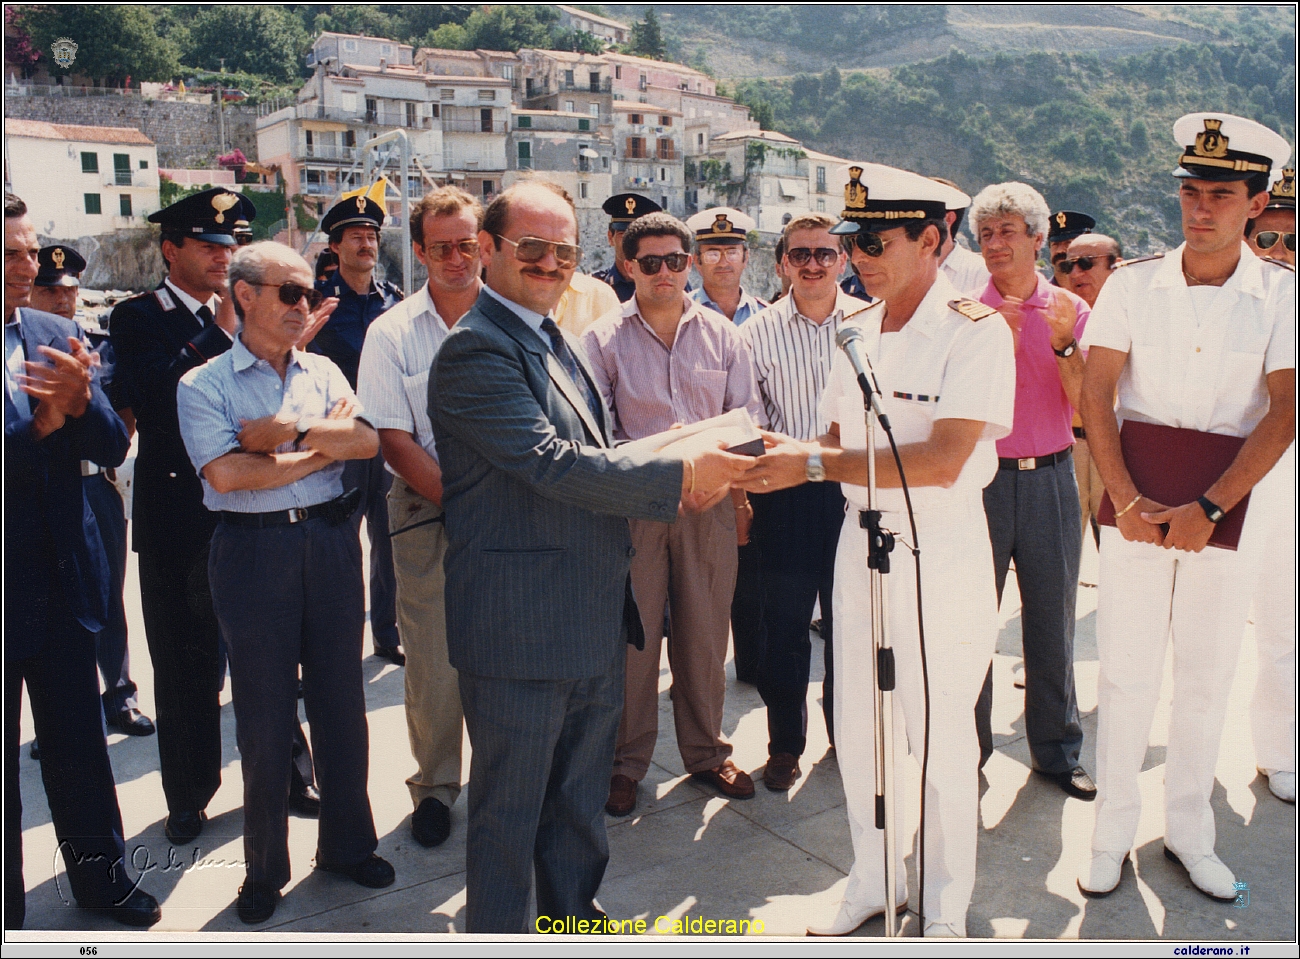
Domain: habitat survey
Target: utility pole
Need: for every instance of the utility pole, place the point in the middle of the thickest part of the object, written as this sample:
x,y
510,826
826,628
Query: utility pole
x,y
221,109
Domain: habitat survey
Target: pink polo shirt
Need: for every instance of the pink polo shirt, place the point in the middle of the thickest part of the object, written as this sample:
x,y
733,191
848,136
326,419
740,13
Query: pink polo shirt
x,y
1042,419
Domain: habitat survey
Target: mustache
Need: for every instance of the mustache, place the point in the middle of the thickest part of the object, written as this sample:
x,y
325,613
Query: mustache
x,y
544,274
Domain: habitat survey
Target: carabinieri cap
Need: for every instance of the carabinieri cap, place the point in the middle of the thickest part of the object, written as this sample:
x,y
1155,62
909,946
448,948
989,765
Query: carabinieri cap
x,y
879,197
1223,147
59,265
210,216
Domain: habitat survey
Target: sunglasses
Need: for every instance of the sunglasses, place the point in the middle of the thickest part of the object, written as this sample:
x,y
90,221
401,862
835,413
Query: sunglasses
x,y
530,249
291,293
1066,267
650,265
733,254
1267,239
869,243
444,251
824,255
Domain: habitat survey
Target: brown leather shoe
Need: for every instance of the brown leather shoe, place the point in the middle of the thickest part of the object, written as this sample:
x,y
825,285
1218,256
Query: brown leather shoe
x,y
728,779
781,772
622,795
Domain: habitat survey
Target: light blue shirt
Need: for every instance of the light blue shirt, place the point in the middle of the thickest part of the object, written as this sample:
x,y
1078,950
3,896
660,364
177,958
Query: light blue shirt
x,y
212,399
749,305
531,319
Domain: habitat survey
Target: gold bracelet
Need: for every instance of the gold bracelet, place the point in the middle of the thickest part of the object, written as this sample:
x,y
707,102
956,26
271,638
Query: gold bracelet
x,y
691,491
1129,506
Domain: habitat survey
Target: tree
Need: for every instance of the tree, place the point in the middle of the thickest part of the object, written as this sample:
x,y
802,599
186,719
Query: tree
x,y
576,41
648,37
113,42
258,39
449,36
510,27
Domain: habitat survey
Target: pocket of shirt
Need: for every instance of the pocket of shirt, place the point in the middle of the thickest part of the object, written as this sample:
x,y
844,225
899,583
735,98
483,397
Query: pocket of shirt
x,y
708,392
1248,341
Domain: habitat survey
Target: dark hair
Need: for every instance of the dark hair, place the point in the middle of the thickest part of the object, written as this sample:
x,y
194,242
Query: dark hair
x,y
498,212
914,229
14,206
654,224
176,239
779,252
1258,183
444,201
808,221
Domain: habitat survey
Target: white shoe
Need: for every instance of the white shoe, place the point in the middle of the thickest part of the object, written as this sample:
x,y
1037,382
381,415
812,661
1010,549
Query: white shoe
x,y
1280,783
943,930
1208,874
848,918
1103,874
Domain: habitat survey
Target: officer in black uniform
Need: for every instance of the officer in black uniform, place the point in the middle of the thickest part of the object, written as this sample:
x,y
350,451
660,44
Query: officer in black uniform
x,y
353,226
1064,226
622,209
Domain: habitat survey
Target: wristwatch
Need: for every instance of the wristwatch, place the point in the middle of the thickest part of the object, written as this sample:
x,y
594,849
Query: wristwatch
x,y
1068,351
1212,512
813,470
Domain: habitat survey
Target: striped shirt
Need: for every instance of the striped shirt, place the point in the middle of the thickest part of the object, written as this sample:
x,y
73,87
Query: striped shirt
x,y
707,371
393,378
792,356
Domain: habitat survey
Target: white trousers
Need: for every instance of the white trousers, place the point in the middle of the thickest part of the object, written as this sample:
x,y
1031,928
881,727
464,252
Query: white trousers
x,y
1147,597
960,634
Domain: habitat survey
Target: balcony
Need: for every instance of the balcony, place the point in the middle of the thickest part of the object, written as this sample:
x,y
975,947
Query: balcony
x,y
668,155
322,151
135,178
453,125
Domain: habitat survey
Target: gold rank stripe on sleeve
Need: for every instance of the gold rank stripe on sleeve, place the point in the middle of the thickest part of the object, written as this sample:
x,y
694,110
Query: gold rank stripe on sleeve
x,y
1139,259
973,310
1282,263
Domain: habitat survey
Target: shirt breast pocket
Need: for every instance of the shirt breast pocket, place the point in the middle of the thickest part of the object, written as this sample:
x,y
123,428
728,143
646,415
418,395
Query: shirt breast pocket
x,y
1248,341
708,391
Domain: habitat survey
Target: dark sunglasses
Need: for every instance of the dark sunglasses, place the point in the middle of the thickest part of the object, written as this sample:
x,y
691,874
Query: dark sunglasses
x,y
443,251
869,243
291,293
824,255
530,249
1066,267
1267,239
650,265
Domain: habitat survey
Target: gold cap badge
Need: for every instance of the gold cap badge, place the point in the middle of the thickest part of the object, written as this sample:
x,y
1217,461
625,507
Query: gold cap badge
x,y
361,204
1060,220
1211,142
223,202
57,257
630,204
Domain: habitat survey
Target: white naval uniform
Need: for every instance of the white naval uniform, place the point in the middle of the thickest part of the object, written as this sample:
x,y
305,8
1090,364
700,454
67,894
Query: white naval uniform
x,y
1197,359
965,270
939,366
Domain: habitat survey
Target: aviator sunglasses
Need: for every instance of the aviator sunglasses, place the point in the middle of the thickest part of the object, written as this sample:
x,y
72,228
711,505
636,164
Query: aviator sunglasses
x,y
869,243
530,249
291,293
650,265
442,252
824,255
1267,239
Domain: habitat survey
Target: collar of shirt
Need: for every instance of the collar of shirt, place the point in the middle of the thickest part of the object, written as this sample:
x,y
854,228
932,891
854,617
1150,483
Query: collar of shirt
x,y
532,320
1038,300
189,302
690,310
1247,278
242,358
747,302
845,305
932,309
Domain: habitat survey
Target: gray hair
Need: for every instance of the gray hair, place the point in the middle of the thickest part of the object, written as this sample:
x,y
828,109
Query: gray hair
x,y
249,264
1010,199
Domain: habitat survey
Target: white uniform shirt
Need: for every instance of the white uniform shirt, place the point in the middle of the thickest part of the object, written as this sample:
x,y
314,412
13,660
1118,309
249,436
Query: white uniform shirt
x,y
965,271
1199,367
939,366
393,375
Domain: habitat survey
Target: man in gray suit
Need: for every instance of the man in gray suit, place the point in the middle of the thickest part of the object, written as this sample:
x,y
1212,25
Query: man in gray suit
x,y
537,567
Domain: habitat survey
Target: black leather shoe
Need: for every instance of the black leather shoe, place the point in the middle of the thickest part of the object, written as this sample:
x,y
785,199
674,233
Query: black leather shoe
x,y
431,823
182,828
374,872
1076,782
393,654
257,902
132,722
305,802
138,909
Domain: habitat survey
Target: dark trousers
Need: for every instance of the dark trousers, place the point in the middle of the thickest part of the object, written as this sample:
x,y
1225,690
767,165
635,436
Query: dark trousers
x,y
747,637
64,694
182,633
1033,517
374,481
285,596
110,642
797,531
538,781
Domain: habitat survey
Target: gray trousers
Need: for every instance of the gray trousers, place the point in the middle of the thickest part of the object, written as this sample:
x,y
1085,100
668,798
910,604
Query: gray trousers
x,y
538,781
1033,517
287,595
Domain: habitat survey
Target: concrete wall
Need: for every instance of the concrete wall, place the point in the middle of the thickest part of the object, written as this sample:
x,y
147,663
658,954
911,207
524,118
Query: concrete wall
x,y
186,133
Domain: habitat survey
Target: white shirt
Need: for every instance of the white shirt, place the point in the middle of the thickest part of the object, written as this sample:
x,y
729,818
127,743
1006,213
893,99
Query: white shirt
x,y
939,366
189,302
1201,366
965,271
393,375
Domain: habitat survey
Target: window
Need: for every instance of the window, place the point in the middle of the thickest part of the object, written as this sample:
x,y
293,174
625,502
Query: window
x,y
350,138
821,206
635,119
385,48
636,148
618,73
507,71
604,162
372,109
584,125
144,164
90,163
350,46
663,201
122,169
523,123
594,81
348,100
665,121
485,120
446,93
528,87
485,95
593,109
410,114
487,187
699,140
124,204
568,106
92,204
582,190
665,149
663,175
525,155
821,179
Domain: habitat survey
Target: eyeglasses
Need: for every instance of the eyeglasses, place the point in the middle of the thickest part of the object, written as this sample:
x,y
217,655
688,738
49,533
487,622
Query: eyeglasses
x,y
1066,267
651,265
291,293
1267,239
530,249
1006,234
714,255
443,251
872,244
824,255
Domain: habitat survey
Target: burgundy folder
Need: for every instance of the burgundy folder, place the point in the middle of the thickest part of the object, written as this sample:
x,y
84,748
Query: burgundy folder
x,y
1176,466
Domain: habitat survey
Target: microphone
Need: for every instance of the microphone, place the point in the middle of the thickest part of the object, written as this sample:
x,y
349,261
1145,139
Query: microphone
x,y
849,339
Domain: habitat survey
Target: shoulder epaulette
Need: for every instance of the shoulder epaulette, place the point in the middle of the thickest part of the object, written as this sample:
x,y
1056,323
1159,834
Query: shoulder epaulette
x,y
866,309
164,298
973,310
1282,263
1139,259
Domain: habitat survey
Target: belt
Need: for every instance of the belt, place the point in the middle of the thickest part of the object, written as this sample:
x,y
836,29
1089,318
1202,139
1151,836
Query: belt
x,y
1079,433
1033,462
332,511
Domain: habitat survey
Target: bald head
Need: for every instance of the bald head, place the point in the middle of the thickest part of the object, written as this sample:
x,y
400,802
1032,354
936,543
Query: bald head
x,y
1091,257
